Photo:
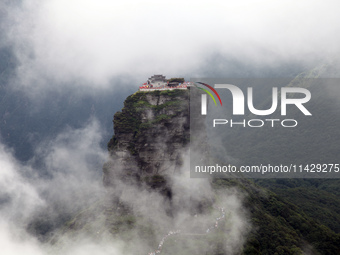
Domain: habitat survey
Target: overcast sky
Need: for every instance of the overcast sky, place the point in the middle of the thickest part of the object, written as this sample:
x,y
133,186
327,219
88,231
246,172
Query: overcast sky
x,y
101,43
93,42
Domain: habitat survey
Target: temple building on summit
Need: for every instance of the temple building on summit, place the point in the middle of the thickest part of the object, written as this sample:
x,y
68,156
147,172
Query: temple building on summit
x,y
157,80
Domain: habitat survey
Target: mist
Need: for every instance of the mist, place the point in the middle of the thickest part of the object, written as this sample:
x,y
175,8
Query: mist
x,y
89,43
34,208
64,52
72,165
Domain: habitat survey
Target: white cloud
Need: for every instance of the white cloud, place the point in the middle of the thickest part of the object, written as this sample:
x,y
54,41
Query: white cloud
x,y
72,184
93,41
69,182
12,244
18,198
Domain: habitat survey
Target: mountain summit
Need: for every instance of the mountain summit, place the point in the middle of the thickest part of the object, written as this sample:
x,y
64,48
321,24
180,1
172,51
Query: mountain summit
x,y
147,163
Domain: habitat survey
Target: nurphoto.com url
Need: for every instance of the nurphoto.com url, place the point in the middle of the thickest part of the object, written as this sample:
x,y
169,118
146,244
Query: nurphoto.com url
x,y
268,168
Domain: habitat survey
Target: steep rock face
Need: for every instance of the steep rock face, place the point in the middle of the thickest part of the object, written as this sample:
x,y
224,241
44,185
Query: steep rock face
x,y
150,134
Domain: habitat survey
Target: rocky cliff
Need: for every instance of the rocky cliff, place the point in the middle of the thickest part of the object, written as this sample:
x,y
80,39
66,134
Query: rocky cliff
x,y
150,136
147,203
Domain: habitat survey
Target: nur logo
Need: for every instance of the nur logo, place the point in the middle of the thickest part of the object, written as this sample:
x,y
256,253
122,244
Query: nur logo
x,y
239,99
288,95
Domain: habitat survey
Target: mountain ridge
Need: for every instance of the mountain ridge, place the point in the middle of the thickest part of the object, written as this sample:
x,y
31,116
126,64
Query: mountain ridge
x,y
278,226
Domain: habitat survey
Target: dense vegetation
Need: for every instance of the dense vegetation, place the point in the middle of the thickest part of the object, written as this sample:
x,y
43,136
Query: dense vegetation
x,y
281,227
318,198
179,80
278,227
300,216
129,120
297,214
314,140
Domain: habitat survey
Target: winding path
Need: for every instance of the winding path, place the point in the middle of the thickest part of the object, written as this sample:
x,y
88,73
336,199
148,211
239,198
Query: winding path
x,y
179,232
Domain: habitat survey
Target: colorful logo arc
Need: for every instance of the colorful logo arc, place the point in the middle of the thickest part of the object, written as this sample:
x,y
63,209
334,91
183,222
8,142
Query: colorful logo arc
x,y
209,93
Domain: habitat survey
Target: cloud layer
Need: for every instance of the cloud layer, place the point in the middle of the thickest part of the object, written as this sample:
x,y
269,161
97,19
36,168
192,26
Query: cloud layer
x,y
97,43
94,41
33,207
